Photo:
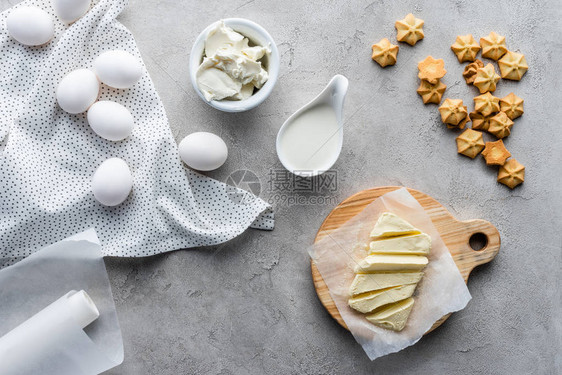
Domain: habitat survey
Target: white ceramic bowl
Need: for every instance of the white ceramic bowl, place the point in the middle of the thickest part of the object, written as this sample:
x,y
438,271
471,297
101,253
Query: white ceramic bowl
x,y
257,35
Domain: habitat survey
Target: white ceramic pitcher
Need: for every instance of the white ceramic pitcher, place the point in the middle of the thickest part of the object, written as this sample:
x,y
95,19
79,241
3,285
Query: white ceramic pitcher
x,y
327,147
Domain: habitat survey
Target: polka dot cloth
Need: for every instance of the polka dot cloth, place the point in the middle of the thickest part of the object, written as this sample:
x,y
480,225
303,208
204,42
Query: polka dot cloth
x,y
49,156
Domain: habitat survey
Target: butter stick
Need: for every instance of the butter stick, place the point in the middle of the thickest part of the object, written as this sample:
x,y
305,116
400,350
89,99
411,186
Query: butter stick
x,y
368,282
371,301
393,316
390,225
386,262
418,244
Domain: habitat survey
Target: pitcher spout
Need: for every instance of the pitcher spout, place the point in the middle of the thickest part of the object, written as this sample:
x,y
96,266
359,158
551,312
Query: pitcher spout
x,y
335,92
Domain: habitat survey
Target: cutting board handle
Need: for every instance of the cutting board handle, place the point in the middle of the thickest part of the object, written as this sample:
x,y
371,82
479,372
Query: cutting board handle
x,y
470,257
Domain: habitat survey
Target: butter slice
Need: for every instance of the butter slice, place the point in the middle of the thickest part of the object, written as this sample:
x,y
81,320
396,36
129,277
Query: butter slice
x,y
368,282
387,262
393,316
390,225
371,301
418,244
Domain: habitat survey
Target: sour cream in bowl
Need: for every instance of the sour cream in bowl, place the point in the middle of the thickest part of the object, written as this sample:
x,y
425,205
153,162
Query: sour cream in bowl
x,y
234,65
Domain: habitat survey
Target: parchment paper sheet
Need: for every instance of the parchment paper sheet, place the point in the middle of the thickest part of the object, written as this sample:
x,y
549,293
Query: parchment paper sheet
x,y
42,278
49,155
442,289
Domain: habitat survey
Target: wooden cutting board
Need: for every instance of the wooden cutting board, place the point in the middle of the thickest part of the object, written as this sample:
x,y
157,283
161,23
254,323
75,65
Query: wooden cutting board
x,y
456,235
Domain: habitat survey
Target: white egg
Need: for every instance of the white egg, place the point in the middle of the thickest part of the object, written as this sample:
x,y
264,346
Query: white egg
x,y
118,69
70,10
30,26
203,151
112,182
78,90
110,120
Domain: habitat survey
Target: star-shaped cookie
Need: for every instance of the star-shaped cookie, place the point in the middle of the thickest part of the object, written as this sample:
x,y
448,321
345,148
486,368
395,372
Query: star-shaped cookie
x,y
384,52
409,30
469,72
500,125
466,48
470,143
431,93
486,79
495,153
487,104
479,121
512,105
454,113
493,46
432,70
512,173
513,66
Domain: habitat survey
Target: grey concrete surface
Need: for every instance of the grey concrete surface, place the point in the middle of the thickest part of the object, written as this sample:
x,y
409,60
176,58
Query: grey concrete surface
x,y
249,306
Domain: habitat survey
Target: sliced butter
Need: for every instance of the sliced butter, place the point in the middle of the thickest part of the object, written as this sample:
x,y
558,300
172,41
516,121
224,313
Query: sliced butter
x,y
371,301
390,225
393,316
387,262
368,282
418,244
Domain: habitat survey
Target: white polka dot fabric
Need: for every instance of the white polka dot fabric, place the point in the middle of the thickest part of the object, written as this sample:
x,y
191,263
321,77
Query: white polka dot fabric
x,y
49,156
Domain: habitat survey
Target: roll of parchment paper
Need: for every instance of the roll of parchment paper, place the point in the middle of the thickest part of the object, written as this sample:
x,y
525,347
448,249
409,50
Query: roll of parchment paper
x,y
78,333
30,338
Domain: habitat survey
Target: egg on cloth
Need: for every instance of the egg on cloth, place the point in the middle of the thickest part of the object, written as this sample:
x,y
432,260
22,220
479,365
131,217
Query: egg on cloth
x,y
112,182
118,69
70,10
203,151
110,120
78,90
30,26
